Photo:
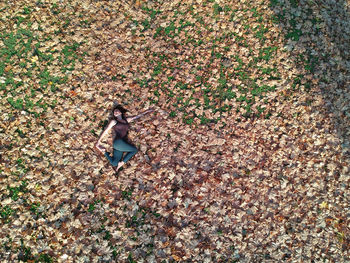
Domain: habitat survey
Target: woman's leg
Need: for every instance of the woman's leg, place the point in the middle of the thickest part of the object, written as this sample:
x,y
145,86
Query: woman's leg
x,y
123,146
117,156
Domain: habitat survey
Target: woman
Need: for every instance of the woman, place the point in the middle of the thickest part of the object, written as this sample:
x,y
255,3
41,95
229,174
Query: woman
x,y
120,126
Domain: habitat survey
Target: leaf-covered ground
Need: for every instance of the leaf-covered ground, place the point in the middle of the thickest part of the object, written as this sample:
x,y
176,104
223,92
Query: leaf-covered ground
x,y
246,158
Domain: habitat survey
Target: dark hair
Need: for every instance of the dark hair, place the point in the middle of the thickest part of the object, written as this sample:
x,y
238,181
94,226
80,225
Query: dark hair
x,y
122,110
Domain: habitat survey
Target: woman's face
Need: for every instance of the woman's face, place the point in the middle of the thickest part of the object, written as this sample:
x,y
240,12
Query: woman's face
x,y
117,113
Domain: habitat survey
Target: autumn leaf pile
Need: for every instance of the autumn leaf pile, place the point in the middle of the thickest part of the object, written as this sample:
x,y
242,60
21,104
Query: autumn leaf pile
x,y
245,159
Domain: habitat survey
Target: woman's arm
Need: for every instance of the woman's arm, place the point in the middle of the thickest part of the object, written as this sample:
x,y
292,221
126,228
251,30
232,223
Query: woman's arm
x,y
110,125
132,118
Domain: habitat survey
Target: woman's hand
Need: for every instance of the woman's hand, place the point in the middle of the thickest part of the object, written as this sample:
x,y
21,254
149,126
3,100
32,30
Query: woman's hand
x,y
100,147
149,110
130,119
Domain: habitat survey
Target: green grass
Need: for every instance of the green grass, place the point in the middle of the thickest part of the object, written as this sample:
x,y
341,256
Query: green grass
x,y
23,47
14,192
127,193
217,9
213,100
92,206
5,213
25,255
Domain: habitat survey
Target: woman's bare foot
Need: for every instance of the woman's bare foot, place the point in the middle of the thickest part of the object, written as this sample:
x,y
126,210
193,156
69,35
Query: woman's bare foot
x,y
120,164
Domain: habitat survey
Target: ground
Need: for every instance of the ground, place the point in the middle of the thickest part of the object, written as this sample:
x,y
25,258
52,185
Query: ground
x,y
245,158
